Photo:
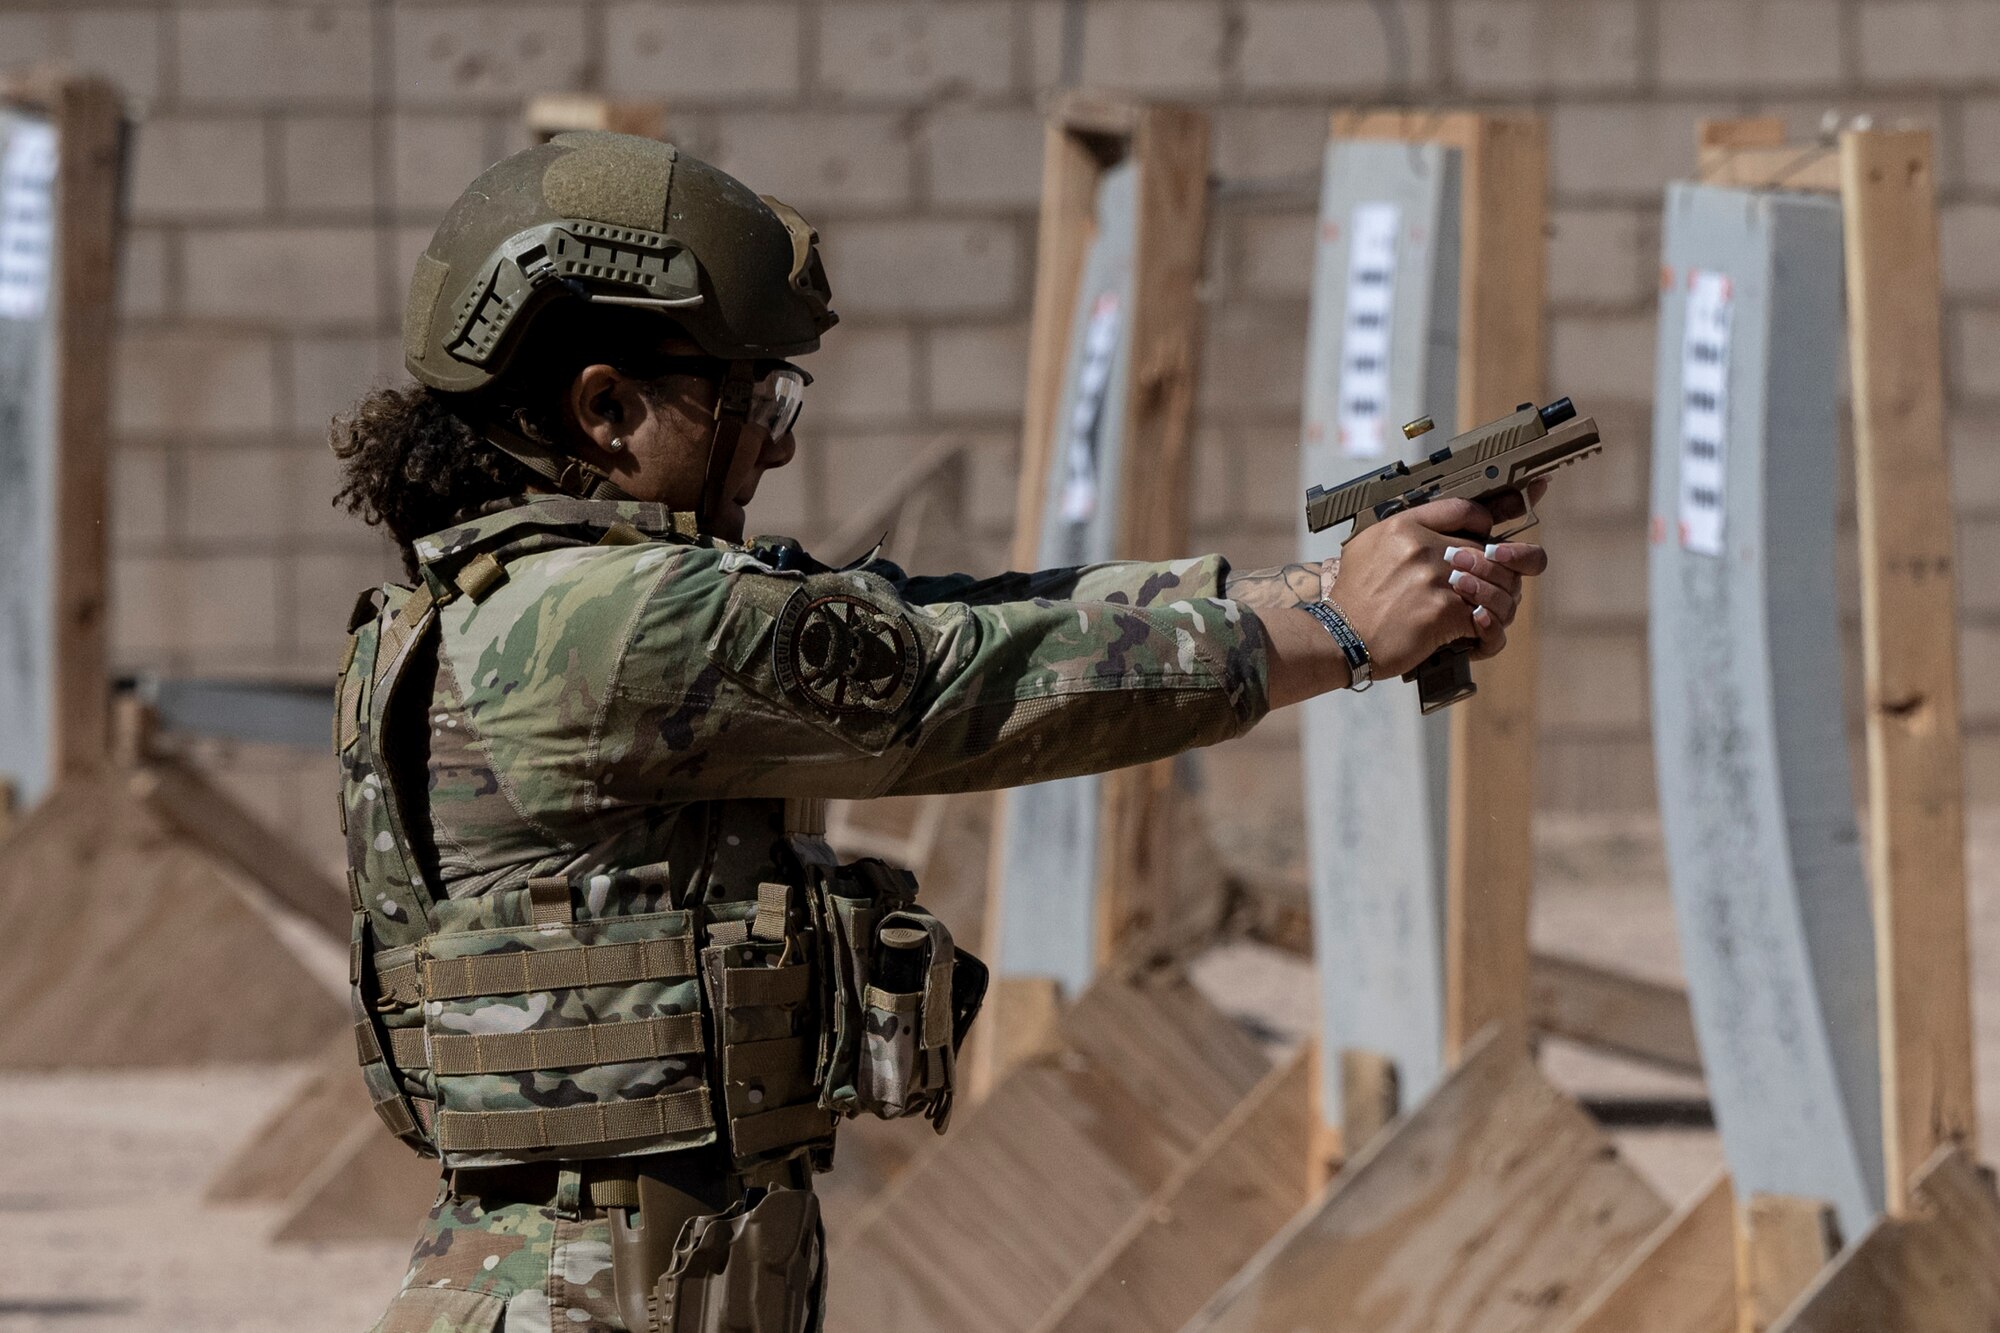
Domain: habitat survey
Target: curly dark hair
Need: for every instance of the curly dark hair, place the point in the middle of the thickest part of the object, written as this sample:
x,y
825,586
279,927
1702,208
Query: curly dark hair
x,y
415,460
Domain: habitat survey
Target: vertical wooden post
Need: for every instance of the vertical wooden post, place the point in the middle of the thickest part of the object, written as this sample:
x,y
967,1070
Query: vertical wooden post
x,y
1490,873
1488,799
1169,148
1017,1008
1170,145
88,117
1369,1097
1782,1243
1909,625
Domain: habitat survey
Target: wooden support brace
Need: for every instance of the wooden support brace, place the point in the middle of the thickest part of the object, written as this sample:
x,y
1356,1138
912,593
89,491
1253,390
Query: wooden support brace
x,y
1782,1243
1614,1012
1930,1272
1495,1204
1909,626
1680,1279
210,818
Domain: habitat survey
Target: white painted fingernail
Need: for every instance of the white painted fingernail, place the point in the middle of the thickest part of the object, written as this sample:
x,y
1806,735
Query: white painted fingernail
x,y
1492,550
1456,575
1449,552
1479,611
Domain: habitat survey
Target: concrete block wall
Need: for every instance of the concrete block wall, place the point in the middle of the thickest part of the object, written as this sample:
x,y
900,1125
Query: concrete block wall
x,y
291,158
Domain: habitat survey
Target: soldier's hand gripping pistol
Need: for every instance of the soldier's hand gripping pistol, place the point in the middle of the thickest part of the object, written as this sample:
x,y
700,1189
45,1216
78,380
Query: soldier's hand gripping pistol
x,y
1484,465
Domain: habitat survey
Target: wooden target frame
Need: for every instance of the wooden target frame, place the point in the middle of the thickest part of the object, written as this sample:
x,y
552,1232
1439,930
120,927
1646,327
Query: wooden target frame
x,y
1162,153
1924,1261
58,723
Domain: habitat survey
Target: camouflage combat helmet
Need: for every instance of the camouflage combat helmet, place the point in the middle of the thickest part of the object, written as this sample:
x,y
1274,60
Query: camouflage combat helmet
x,y
612,219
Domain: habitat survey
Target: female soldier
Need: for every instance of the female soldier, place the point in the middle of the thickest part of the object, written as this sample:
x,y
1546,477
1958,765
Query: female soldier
x,y
604,966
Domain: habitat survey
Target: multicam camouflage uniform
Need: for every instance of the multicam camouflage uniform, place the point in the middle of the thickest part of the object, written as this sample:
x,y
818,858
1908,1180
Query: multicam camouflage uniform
x,y
604,966
624,697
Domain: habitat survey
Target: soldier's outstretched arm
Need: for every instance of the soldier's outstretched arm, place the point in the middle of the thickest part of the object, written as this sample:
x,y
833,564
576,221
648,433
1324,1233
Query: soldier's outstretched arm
x,y
838,685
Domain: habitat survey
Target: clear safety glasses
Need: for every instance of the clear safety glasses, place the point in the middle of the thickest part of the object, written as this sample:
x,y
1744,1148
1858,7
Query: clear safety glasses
x,y
776,399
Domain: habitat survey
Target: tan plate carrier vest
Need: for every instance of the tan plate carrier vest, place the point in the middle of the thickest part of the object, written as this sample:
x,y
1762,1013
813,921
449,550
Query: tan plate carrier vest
x,y
645,1027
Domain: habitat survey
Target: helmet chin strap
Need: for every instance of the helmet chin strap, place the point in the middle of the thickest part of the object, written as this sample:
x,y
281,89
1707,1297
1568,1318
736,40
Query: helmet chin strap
x,y
565,472
732,414
572,476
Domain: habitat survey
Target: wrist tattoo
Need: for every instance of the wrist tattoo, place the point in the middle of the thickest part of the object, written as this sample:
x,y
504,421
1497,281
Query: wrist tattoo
x,y
1294,585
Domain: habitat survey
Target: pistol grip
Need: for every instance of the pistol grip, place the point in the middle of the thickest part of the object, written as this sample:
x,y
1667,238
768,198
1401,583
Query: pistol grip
x,y
1443,679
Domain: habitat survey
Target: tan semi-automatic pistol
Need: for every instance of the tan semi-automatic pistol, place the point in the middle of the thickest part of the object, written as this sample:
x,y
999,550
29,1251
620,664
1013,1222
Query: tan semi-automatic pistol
x,y
1483,465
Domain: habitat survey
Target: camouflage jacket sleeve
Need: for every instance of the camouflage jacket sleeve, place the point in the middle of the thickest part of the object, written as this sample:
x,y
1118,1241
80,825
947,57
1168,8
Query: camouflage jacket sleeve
x,y
1114,581
742,682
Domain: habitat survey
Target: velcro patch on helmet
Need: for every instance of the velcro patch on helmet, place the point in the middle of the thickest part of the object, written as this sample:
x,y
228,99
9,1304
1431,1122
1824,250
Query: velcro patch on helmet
x,y
845,654
426,286
619,180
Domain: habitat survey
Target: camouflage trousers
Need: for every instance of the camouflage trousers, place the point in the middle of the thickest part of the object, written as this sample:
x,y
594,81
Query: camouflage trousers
x,y
518,1268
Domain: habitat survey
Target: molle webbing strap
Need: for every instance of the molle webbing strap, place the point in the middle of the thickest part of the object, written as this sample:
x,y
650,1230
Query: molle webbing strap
x,y
548,900
788,1126
410,620
890,1001
398,985
614,1192
407,1045
622,533
566,1048
398,638
757,987
937,1003
395,1113
366,1044
480,575
773,900
558,969
571,1126
767,1059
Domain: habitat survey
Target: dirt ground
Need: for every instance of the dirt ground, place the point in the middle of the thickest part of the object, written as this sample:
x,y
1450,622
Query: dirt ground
x,y
104,1231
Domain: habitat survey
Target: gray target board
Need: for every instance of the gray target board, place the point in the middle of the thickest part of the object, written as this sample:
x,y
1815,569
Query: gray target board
x,y
1048,890
1756,797
28,477
1382,349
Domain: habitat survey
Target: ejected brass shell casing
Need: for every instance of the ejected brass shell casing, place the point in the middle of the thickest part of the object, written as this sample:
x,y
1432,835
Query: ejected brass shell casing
x,y
1421,426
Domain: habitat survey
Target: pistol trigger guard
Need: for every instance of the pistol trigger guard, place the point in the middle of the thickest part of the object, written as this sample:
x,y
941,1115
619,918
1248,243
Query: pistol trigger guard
x,y
1528,519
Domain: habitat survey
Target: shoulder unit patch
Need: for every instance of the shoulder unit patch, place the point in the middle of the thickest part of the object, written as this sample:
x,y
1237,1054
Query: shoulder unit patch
x,y
844,653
